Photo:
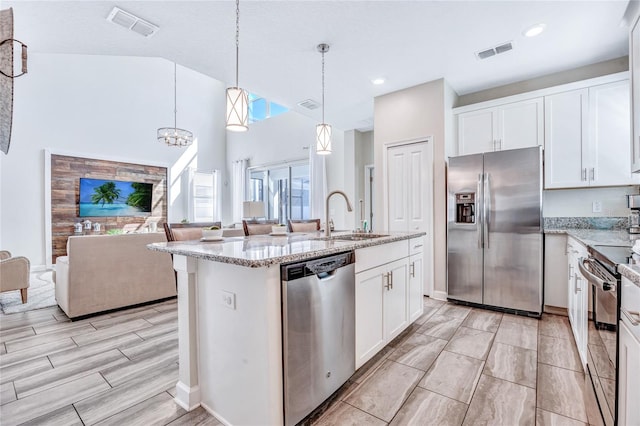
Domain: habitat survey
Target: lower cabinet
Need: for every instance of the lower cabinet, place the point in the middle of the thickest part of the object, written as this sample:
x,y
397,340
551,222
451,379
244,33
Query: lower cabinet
x,y
416,286
628,373
577,297
555,270
388,296
381,307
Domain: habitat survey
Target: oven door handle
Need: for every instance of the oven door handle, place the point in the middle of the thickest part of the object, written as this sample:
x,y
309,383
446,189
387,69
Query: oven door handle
x,y
633,317
608,284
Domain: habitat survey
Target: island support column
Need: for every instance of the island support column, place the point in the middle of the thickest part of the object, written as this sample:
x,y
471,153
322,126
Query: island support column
x,y
188,387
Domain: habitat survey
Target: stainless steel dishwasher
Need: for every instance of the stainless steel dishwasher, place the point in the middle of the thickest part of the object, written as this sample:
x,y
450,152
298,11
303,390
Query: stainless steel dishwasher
x,y
318,310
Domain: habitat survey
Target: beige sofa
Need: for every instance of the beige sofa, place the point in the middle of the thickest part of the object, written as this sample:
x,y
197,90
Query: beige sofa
x,y
14,274
104,272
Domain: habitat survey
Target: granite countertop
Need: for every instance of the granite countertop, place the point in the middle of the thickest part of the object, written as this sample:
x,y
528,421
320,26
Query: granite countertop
x,y
604,237
264,250
580,228
632,272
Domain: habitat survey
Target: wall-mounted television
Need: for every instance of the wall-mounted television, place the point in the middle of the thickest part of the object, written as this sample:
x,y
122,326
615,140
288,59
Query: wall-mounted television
x,y
108,197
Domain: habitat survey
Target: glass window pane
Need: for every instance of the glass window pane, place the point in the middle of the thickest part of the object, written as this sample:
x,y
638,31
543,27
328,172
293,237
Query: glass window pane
x,y
258,110
275,109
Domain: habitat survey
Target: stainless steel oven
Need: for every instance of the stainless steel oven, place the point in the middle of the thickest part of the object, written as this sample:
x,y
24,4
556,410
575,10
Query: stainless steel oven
x,y
601,270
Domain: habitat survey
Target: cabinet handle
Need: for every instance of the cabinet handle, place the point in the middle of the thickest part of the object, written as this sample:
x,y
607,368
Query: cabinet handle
x,y
584,174
412,269
593,173
633,317
387,284
417,246
391,280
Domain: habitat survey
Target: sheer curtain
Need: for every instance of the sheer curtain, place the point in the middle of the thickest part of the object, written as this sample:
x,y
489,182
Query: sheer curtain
x,y
318,178
238,188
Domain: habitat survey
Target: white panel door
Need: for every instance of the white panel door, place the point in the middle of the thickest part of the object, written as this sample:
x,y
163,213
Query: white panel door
x,y
610,135
565,127
520,125
418,187
397,185
477,131
410,196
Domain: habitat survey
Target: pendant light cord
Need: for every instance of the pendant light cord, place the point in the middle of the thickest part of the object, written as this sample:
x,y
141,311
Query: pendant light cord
x,y
237,38
175,98
323,87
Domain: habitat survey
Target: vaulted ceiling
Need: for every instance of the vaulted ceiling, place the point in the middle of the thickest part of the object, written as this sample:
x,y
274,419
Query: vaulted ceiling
x,y
406,42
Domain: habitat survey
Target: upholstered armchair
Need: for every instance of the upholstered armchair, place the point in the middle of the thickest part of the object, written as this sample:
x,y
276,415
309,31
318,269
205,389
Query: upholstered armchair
x,y
14,273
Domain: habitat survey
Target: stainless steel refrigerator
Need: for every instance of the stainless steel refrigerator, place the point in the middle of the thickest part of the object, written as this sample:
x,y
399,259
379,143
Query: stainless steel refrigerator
x,y
494,229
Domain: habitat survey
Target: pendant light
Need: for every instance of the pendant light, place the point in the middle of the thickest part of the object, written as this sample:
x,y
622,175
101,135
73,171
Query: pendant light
x,y
323,131
237,98
173,136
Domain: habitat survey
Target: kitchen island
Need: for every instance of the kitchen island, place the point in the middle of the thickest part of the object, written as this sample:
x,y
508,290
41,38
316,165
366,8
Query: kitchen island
x,y
230,314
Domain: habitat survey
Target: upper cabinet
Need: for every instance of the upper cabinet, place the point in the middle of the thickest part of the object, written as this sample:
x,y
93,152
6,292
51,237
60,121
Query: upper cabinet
x,y
510,126
587,137
634,62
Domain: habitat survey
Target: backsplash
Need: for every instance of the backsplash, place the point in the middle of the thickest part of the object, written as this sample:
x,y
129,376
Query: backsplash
x,y
617,223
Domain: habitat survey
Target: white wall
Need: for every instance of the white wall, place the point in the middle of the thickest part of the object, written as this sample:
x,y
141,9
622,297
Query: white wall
x,y
363,157
101,107
284,138
409,115
579,202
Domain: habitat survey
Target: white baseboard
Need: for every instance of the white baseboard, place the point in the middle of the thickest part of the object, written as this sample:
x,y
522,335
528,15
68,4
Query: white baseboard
x,y
187,397
216,415
439,295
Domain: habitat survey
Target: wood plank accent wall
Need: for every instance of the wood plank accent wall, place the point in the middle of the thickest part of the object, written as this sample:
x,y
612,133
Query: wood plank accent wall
x,y
66,172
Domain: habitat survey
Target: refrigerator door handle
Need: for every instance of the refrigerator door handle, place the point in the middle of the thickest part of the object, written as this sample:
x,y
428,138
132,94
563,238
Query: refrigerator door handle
x,y
479,215
486,202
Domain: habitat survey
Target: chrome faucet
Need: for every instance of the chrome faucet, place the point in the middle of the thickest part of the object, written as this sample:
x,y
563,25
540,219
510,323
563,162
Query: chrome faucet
x,y
327,228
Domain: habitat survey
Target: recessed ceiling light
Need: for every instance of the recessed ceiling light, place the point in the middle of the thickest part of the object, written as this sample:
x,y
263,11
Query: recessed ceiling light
x,y
378,80
534,30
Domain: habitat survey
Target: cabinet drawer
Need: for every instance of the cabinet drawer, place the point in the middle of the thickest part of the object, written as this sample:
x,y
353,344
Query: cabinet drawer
x,y
370,257
416,245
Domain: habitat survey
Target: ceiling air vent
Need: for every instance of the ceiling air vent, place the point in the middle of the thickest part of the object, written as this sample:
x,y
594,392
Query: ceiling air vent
x,y
309,104
132,22
493,51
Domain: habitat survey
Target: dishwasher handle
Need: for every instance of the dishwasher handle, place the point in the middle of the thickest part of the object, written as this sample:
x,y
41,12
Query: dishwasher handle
x,y
327,265
323,267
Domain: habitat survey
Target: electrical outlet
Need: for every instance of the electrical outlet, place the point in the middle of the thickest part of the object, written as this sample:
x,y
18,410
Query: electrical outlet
x,y
597,207
228,299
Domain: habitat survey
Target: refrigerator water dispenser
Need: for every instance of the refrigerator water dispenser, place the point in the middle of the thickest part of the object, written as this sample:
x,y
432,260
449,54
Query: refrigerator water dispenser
x,y
465,207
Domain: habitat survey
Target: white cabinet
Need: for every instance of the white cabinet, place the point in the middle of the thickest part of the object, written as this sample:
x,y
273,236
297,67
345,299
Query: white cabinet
x,y
381,307
577,297
416,273
388,293
587,137
510,126
628,374
634,62
555,270
369,314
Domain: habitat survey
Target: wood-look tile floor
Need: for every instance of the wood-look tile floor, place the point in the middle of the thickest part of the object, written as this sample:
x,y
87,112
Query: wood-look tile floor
x,y
455,365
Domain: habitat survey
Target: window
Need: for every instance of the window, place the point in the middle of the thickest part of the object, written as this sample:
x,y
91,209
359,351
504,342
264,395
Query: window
x,y
261,108
204,202
284,191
